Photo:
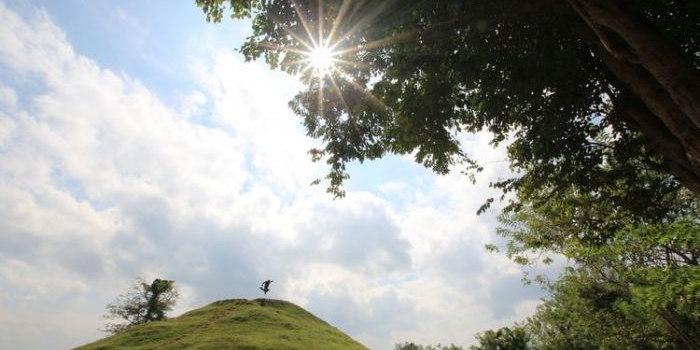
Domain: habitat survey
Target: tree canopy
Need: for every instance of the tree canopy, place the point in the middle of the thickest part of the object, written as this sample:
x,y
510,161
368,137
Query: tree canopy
x,y
586,92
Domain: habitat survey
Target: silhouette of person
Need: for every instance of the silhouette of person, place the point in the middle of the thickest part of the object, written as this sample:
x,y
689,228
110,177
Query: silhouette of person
x,y
265,287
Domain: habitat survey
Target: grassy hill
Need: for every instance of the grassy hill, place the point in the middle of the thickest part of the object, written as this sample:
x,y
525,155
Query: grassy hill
x,y
234,325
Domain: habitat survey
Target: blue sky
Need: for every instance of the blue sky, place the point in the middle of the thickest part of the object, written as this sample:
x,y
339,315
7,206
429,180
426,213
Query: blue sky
x,y
135,142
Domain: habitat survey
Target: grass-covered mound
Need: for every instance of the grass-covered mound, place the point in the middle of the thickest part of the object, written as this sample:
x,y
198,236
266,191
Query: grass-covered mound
x,y
232,325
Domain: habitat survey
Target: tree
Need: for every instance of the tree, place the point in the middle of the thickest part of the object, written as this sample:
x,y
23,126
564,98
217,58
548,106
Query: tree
x,y
576,84
515,338
585,312
636,269
142,303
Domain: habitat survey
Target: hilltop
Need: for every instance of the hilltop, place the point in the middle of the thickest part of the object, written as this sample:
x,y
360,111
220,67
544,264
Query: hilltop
x,y
234,324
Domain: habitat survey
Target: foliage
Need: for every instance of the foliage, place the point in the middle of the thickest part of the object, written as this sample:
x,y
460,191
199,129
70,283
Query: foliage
x,y
577,222
515,338
235,325
567,83
142,303
586,312
636,269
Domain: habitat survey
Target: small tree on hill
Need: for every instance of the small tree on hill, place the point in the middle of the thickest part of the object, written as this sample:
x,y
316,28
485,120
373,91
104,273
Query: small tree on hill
x,y
142,303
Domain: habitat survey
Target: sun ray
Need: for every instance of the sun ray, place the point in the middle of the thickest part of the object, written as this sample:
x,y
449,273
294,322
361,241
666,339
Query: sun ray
x,y
301,40
342,62
342,98
303,21
283,48
320,98
357,26
320,24
370,95
379,43
339,19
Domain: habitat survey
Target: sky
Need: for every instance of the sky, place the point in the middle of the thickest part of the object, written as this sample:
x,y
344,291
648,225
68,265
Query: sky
x,y
135,142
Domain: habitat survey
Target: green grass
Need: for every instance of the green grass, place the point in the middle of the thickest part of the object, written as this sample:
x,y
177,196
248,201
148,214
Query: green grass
x,y
234,325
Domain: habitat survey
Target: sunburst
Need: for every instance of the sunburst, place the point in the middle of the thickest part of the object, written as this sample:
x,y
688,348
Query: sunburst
x,y
326,53
322,59
320,47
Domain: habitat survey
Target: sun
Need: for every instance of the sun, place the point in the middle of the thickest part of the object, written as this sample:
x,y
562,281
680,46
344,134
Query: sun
x,y
321,59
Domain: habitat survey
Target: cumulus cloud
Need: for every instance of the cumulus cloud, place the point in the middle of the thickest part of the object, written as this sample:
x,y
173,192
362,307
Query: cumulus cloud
x,y
101,182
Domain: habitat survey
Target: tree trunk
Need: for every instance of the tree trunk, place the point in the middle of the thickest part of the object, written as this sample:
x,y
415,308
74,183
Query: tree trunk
x,y
680,328
662,141
661,76
654,114
643,45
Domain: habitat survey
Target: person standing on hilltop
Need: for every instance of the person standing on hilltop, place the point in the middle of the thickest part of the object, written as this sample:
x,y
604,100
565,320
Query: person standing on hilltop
x,y
265,287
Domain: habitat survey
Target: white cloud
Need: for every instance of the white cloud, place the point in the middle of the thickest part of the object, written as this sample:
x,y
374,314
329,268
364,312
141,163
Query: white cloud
x,y
102,182
8,99
392,186
251,101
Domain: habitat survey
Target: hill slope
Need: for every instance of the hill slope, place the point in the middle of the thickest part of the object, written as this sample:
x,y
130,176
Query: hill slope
x,y
236,325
